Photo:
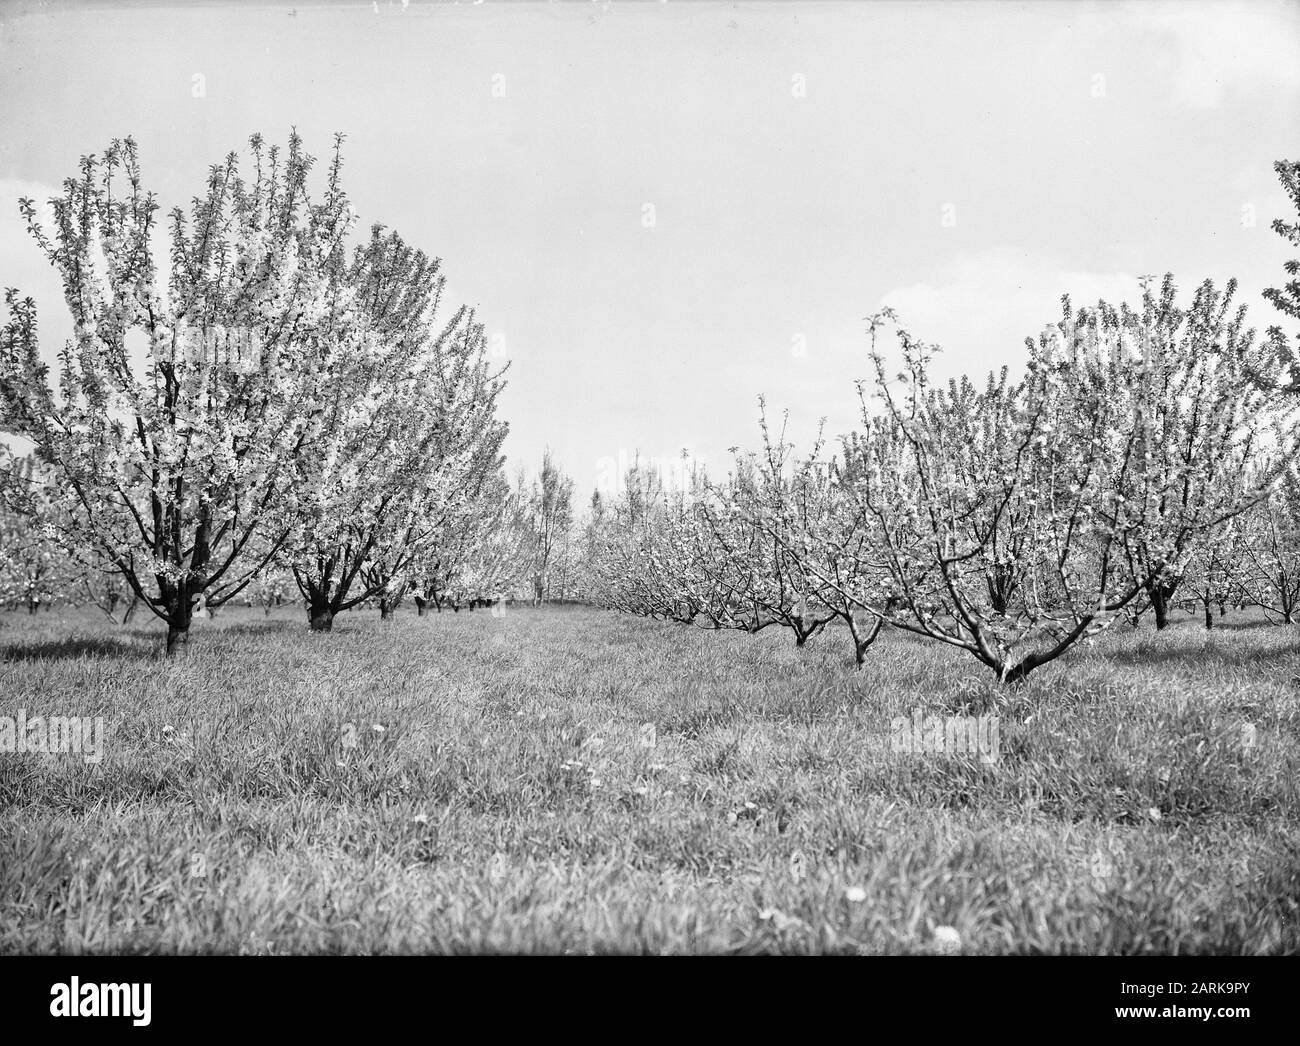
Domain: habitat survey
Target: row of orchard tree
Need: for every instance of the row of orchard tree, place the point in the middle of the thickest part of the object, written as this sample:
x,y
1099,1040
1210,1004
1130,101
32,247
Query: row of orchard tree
x,y
256,400
1144,457
516,543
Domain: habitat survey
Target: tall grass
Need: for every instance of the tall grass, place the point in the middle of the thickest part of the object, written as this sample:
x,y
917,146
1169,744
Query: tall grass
x,y
470,783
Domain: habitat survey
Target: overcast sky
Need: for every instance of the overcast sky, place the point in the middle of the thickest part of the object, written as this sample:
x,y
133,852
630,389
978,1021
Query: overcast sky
x,y
663,210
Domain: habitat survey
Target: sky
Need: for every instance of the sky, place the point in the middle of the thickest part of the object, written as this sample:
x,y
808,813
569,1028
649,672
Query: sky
x,y
664,210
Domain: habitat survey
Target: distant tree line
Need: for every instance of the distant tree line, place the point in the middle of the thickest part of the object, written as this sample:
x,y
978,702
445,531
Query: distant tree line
x,y
1143,459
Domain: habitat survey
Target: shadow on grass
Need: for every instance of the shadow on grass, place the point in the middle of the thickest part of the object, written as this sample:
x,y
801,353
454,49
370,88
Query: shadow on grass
x,y
1242,625
142,646
261,628
1247,621
1172,655
147,643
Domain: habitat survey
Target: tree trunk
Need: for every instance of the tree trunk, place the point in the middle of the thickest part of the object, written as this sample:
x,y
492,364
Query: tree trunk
x,y
1209,615
178,601
1018,674
385,610
1160,604
861,642
320,610
178,626
420,606
178,641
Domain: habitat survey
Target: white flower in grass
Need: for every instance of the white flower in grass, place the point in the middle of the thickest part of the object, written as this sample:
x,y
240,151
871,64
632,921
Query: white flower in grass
x,y
947,940
798,866
1154,813
855,895
420,819
378,728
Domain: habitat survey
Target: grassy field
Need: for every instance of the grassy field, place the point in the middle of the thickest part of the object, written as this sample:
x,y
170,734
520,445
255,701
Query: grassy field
x,y
470,783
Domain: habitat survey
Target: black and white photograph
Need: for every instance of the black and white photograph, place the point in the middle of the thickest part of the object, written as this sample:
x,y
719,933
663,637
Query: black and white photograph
x,y
617,478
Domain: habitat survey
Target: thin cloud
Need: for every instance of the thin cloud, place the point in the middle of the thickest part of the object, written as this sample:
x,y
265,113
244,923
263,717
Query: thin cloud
x,y
1223,51
991,300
